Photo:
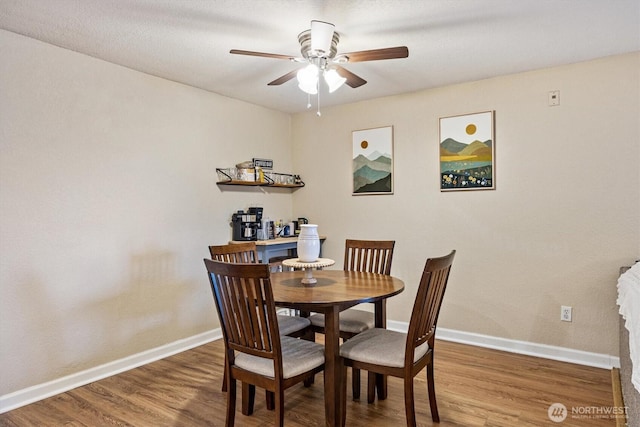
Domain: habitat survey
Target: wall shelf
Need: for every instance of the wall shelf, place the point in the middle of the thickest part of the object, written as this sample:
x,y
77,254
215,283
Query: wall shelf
x,y
228,176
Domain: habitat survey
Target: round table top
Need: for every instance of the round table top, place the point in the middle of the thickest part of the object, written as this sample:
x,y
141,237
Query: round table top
x,y
296,263
333,287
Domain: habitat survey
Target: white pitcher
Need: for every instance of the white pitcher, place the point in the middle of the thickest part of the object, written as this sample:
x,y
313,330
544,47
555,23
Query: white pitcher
x,y
308,243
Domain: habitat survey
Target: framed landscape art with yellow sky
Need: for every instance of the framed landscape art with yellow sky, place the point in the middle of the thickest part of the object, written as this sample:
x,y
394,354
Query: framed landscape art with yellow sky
x,y
467,160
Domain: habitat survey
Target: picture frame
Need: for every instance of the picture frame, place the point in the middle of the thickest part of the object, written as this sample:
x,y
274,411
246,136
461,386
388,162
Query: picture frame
x,y
467,152
372,161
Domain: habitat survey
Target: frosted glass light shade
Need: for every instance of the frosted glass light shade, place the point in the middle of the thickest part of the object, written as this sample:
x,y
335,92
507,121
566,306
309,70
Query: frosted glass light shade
x,y
333,79
308,79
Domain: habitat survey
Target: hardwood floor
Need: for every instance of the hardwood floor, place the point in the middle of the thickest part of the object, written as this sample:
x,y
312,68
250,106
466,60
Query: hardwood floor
x,y
474,386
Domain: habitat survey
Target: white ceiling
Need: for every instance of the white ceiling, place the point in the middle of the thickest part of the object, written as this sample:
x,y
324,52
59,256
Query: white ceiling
x,y
449,41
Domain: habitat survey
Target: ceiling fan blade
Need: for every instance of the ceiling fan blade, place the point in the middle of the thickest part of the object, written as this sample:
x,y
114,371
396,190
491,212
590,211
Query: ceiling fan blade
x,y
352,80
377,54
283,79
262,54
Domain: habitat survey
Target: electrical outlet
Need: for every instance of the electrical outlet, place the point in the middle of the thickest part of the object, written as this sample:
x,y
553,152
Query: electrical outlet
x,y
565,313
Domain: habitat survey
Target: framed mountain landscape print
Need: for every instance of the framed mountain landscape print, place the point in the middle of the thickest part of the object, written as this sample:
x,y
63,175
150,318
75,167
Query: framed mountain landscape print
x,y
373,161
467,152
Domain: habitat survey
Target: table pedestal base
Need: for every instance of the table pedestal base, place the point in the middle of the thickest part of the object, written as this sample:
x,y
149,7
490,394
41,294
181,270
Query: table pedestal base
x,y
308,278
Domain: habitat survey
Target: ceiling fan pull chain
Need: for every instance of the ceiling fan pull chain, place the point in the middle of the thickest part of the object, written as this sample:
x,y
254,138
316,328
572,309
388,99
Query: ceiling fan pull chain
x,y
318,99
308,101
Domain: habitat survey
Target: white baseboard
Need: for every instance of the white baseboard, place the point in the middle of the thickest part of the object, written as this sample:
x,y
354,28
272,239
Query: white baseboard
x,y
562,354
42,391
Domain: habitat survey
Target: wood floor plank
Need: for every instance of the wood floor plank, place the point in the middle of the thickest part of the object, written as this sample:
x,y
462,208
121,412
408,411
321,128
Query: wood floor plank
x,y
474,387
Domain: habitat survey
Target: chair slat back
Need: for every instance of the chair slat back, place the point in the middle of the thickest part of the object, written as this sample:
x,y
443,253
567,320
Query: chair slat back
x,y
426,308
371,256
244,252
244,300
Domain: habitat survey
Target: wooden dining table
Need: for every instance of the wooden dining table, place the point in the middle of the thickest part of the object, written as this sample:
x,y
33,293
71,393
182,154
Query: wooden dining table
x,y
335,291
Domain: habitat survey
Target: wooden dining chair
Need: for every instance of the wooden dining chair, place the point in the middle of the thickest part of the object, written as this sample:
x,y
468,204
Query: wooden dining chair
x,y
371,256
246,252
378,350
255,352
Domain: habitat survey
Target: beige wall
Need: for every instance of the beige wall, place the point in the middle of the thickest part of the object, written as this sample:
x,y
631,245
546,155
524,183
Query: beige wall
x,y
107,204
108,201
563,218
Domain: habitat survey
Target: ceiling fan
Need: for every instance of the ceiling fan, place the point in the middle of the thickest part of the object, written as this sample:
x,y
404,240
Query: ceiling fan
x,y
319,48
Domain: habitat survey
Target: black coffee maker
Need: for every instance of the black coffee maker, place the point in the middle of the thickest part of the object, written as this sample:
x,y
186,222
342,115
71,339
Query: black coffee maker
x,y
245,224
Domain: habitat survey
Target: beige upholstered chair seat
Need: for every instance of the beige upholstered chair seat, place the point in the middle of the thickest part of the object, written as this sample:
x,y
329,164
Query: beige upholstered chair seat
x,y
289,324
352,321
380,347
298,356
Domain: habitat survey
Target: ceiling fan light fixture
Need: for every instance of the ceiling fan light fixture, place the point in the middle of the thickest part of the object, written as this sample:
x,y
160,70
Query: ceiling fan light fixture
x,y
321,37
333,79
319,48
308,79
